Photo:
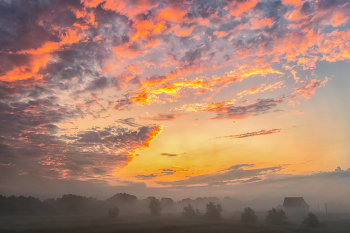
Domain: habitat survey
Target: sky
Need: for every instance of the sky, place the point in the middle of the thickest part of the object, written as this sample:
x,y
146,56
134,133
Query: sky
x,y
178,98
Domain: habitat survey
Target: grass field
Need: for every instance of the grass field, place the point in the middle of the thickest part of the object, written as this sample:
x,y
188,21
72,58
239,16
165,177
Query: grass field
x,y
146,223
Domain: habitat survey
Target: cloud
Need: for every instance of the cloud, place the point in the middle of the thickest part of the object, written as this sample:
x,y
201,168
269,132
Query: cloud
x,y
165,116
122,104
170,155
309,89
128,121
263,87
56,54
252,134
229,111
146,177
33,144
233,174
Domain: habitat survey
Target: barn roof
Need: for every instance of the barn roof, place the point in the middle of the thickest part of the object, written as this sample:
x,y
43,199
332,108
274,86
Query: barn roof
x,y
294,202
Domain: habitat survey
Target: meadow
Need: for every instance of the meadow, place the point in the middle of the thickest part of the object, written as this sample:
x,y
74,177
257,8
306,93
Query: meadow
x,y
137,223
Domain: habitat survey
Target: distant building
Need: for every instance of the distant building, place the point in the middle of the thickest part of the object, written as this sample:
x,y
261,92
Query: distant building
x,y
295,206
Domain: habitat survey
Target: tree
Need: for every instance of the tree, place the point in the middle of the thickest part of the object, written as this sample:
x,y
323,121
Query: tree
x,y
190,212
167,202
113,213
311,220
248,216
213,212
154,207
122,198
276,217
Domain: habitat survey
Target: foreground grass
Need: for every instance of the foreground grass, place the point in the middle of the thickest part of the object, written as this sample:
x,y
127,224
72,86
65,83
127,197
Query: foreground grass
x,y
145,223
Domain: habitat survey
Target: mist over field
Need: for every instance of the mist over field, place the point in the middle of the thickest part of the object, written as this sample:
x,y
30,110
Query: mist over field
x,y
126,213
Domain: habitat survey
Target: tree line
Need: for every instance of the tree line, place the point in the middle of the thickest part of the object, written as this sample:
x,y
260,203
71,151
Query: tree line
x,y
79,205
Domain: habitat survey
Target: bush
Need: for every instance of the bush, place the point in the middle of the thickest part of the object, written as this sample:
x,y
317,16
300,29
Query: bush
x,y
311,220
213,212
113,213
277,217
248,216
190,212
154,207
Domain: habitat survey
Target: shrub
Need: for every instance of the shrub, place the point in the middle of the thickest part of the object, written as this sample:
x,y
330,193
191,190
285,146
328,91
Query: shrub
x,y
190,212
311,220
248,216
276,217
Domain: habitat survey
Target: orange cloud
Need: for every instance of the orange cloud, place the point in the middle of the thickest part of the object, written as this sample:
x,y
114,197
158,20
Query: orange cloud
x,y
241,7
157,85
27,71
184,31
42,56
260,23
309,88
171,14
263,87
146,27
339,18
295,3
141,98
155,131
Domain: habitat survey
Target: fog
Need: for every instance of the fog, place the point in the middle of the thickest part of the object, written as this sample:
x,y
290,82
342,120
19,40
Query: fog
x,y
317,189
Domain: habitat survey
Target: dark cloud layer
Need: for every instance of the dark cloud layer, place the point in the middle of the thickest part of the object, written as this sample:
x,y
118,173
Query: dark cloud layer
x,y
30,143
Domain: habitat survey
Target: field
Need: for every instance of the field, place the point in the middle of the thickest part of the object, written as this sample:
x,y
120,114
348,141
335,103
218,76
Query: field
x,y
146,223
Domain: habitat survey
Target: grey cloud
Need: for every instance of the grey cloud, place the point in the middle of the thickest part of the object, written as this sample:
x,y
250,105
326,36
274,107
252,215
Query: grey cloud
x,y
98,84
306,8
164,117
129,122
231,174
192,56
254,179
122,104
329,4
30,143
146,177
232,112
271,9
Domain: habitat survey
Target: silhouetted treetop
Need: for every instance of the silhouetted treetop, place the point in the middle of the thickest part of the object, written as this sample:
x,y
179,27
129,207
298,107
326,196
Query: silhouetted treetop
x,y
248,216
122,198
151,198
167,202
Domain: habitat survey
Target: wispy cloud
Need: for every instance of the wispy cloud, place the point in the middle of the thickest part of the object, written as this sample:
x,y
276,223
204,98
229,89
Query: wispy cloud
x,y
165,116
233,174
170,155
252,134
